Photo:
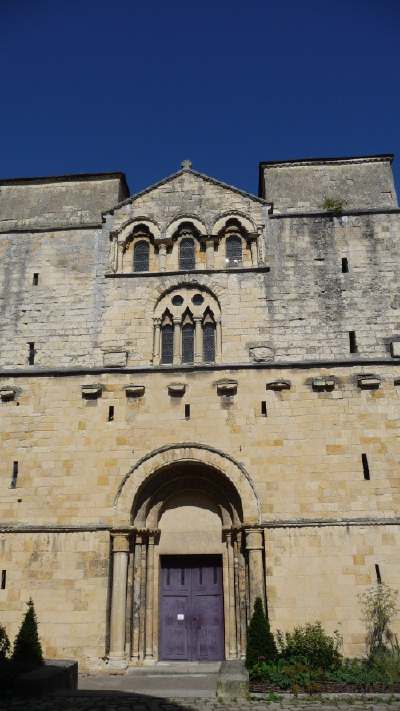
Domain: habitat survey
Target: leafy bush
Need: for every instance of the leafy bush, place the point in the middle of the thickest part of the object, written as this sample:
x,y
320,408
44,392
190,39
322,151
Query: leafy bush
x,y
379,606
312,645
27,647
260,640
4,644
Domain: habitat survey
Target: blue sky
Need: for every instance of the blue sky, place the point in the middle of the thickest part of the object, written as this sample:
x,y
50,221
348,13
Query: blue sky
x,y
97,86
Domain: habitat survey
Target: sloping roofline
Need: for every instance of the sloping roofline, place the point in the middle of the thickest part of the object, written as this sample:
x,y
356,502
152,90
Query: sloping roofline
x,y
214,181
338,159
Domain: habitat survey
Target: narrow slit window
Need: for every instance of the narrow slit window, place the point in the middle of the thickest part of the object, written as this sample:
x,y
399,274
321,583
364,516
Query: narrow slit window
x,y
234,251
378,574
35,280
352,342
31,353
3,579
141,257
209,342
188,343
365,466
187,412
345,265
111,413
187,259
14,475
263,408
167,344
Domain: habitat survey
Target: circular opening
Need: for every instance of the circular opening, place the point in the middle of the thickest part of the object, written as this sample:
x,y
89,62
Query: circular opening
x,y
177,300
197,299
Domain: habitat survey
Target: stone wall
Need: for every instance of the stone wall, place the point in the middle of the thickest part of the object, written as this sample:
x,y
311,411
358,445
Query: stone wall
x,y
303,186
67,575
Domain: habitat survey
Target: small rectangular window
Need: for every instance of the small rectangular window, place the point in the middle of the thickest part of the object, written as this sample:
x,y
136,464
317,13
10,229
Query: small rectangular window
x,y
35,280
378,574
111,413
365,465
345,265
263,408
187,412
31,354
352,342
3,579
14,475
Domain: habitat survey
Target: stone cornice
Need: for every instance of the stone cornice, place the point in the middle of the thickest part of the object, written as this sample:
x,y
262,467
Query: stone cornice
x,y
345,213
196,272
275,523
34,372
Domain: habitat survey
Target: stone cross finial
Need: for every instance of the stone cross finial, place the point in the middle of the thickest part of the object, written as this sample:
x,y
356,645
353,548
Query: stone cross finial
x,y
186,164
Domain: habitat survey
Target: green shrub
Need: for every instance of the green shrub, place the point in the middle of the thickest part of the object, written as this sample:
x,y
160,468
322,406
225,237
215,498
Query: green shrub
x,y
312,645
379,606
27,647
332,204
260,640
4,644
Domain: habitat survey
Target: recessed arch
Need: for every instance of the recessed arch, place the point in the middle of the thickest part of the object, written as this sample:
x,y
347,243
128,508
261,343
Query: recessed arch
x,y
244,221
177,222
129,226
162,459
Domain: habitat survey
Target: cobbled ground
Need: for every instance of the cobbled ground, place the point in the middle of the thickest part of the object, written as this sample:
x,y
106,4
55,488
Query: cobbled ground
x,y
116,701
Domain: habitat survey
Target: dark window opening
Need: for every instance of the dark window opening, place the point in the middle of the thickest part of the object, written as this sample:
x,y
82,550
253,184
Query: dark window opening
x,y
187,412
188,343
35,280
186,254
209,343
31,354
345,265
234,251
378,574
111,413
167,344
14,475
352,342
365,465
141,257
263,408
3,579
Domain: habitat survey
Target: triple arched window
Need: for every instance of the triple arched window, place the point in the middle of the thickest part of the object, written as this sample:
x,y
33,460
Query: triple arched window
x,y
188,340
141,253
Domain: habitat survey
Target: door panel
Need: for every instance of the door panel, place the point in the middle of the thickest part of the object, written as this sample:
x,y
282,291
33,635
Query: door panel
x,y
191,608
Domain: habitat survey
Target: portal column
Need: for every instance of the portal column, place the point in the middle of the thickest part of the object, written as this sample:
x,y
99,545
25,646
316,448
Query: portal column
x,y
149,655
255,551
137,599
231,581
118,598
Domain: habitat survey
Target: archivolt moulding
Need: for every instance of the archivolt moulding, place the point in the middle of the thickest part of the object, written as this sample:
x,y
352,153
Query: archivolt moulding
x,y
186,452
244,220
182,219
127,228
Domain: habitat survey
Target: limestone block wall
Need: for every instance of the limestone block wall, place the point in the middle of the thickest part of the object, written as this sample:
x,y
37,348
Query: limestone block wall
x,y
67,576
60,313
303,185
317,574
304,457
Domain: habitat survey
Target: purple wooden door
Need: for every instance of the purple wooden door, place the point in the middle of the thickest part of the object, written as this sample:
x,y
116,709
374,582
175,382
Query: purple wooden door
x,y
191,608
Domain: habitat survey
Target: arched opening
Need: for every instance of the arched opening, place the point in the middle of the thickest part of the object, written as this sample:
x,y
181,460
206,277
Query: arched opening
x,y
141,253
188,557
187,260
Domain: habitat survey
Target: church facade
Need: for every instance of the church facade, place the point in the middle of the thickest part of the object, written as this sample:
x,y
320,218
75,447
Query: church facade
x,y
199,406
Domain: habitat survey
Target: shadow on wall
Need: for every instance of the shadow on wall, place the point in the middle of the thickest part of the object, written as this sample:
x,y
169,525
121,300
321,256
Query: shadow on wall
x,y
90,700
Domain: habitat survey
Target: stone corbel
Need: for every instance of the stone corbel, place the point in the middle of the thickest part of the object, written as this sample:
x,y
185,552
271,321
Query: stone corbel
x,y
91,392
395,349
278,385
176,389
134,390
324,383
368,381
227,387
7,393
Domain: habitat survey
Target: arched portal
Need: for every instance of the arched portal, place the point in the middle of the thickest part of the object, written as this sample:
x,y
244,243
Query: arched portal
x,y
188,557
